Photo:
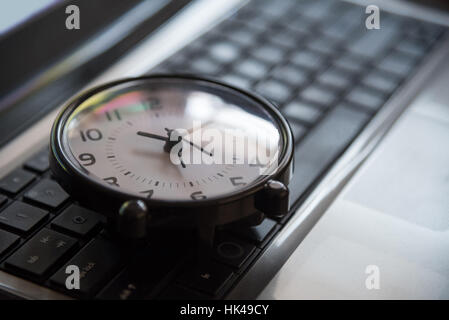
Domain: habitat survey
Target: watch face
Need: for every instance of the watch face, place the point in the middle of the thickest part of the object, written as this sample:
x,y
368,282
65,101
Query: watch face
x,y
172,139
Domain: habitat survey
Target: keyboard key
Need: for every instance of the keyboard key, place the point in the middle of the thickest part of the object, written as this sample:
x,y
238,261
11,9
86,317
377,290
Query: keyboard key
x,y
48,193
39,162
316,10
374,42
224,52
285,38
298,110
350,63
22,217
147,273
251,68
347,22
41,253
325,46
412,47
320,95
269,54
78,221
399,64
209,278
257,234
336,78
205,65
308,59
293,76
3,200
232,251
16,181
366,98
7,240
97,262
274,90
322,145
237,80
381,81
243,37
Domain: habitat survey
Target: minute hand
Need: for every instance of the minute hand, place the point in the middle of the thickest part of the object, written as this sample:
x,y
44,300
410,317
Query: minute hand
x,y
191,143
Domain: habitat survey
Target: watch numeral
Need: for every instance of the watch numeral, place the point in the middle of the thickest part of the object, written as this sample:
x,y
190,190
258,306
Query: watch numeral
x,y
148,192
198,195
115,114
89,157
112,181
91,134
235,182
152,104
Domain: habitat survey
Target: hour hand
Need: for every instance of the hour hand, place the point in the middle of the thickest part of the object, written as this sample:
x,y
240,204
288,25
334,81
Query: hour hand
x,y
152,135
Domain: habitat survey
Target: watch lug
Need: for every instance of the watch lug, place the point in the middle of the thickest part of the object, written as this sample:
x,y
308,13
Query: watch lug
x,y
273,199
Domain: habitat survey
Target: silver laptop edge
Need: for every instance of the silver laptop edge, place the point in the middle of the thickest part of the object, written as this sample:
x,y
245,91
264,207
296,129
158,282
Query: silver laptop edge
x,y
168,38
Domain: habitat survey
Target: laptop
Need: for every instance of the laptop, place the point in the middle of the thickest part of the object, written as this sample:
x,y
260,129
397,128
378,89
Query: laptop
x,y
352,92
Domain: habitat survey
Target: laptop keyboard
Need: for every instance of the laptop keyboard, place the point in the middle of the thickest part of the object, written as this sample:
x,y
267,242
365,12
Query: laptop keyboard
x,y
315,60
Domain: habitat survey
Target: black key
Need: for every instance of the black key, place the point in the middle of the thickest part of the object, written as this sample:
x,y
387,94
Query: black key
x,y
399,64
252,69
97,262
412,47
302,111
308,60
3,200
205,65
48,193
274,90
7,240
350,63
224,51
258,234
336,78
285,38
147,273
294,76
320,95
41,253
368,99
237,80
209,278
374,42
16,181
244,37
77,221
380,81
322,145
22,217
175,292
269,54
232,251
39,162
317,9
323,45
346,23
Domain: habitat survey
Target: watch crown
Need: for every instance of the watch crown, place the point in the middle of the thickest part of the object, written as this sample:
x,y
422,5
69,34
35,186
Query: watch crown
x,y
132,219
273,200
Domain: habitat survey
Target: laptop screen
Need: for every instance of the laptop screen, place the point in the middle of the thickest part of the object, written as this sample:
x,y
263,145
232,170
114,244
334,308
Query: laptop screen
x,y
16,13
